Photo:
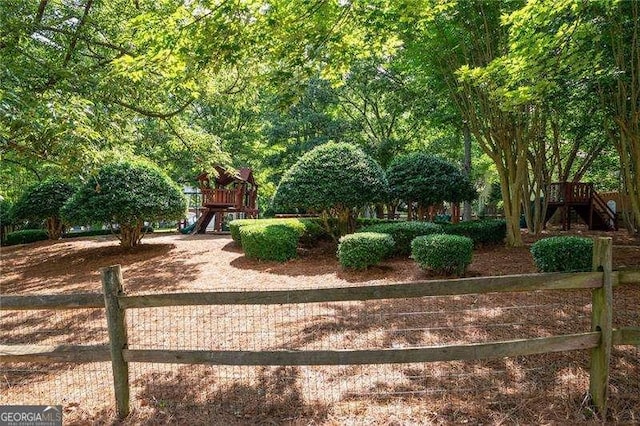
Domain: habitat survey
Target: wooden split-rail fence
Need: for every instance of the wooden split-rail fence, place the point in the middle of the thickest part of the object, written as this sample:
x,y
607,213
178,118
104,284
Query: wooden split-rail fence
x,y
600,339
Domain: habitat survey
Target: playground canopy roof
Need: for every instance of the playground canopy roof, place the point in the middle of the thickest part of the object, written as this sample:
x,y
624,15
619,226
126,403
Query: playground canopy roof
x,y
224,178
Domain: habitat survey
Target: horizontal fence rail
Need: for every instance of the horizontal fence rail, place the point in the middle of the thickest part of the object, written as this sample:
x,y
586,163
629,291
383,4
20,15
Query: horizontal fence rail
x,y
476,351
457,287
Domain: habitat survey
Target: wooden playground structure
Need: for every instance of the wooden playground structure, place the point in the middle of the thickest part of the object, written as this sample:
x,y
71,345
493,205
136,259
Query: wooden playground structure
x,y
226,193
584,201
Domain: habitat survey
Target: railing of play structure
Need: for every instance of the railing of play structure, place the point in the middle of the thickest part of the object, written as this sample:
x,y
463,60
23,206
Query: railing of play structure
x,y
569,192
219,196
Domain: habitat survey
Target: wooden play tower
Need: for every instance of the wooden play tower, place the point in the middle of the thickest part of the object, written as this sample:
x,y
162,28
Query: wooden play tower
x,y
226,193
585,201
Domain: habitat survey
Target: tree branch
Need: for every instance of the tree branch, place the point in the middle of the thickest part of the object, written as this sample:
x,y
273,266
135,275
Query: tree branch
x,y
152,114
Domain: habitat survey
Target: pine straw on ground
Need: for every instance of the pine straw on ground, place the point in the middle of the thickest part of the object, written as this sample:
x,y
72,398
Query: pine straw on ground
x,y
549,388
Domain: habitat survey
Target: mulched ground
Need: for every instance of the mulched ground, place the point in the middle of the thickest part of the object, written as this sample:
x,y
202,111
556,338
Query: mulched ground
x,y
172,262
538,389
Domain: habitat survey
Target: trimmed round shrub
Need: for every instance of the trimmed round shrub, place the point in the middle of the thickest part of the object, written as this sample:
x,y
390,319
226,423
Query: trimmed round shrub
x,y
43,202
563,254
25,237
309,230
428,180
270,241
446,254
492,231
404,232
332,179
364,249
127,193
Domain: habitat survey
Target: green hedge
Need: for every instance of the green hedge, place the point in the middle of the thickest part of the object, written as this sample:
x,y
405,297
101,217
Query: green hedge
x,y
563,254
447,254
482,232
364,249
309,230
270,241
404,232
25,236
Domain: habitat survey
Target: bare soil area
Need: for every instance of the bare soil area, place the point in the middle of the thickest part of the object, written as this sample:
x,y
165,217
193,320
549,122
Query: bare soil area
x,y
548,388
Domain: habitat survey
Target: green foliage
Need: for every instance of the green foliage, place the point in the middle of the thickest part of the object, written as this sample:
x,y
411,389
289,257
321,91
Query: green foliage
x,y
447,254
491,231
270,241
25,236
563,254
6,212
332,178
361,222
364,249
309,230
428,180
127,193
404,232
43,200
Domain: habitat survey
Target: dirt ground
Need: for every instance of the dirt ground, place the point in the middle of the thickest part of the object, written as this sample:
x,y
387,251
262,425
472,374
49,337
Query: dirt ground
x,y
548,388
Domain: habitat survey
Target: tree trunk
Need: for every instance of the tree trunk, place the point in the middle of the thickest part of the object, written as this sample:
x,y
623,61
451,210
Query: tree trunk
x,y
130,235
466,206
54,228
379,211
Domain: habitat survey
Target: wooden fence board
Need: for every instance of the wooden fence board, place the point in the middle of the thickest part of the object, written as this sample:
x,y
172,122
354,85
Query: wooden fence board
x,y
627,336
54,353
627,277
475,351
482,285
53,301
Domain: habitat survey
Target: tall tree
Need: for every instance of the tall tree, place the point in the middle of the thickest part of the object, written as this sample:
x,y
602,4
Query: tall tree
x,y
451,42
595,44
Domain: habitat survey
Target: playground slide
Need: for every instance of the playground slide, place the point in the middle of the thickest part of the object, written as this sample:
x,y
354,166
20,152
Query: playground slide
x,y
188,229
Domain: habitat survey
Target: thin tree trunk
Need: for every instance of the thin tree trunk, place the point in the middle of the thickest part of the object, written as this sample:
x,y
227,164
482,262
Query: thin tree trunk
x,y
466,206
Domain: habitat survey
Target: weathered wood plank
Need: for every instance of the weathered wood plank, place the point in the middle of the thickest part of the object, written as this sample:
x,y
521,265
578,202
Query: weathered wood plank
x,y
627,277
476,351
508,283
53,301
626,336
53,353
601,321
113,289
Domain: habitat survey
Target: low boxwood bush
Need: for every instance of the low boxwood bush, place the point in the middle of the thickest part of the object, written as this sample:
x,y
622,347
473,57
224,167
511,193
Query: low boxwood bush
x,y
446,254
482,232
563,254
404,232
269,241
25,236
309,230
364,249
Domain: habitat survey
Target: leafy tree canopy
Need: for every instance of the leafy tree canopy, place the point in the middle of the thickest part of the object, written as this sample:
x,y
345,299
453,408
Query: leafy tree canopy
x,y
126,193
333,179
428,180
43,201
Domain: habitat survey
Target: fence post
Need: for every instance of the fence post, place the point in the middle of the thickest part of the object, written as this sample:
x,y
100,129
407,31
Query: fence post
x,y
112,288
601,320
